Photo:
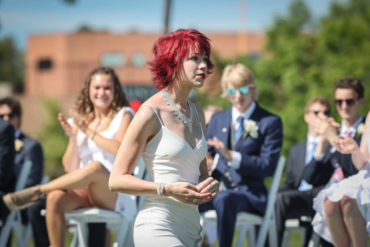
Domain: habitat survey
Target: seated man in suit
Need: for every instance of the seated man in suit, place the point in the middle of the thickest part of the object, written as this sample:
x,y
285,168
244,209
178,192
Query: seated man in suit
x,y
247,140
7,153
26,148
295,196
349,97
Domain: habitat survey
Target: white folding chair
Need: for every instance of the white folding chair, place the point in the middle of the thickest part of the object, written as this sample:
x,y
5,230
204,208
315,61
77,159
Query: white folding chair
x,y
246,221
14,221
296,225
114,220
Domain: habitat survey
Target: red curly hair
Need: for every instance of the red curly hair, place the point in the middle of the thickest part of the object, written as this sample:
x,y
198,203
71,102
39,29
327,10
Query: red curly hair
x,y
171,50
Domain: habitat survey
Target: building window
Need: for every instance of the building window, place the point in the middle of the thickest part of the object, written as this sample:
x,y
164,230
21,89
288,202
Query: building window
x,y
45,64
113,59
138,59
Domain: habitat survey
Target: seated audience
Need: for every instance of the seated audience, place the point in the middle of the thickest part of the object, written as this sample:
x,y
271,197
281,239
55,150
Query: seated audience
x,y
247,140
295,196
343,216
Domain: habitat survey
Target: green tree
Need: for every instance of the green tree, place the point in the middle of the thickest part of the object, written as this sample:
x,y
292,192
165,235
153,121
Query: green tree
x,y
53,139
301,62
11,60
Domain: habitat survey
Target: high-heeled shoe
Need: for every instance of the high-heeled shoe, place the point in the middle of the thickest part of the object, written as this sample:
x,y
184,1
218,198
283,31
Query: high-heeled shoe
x,y
23,198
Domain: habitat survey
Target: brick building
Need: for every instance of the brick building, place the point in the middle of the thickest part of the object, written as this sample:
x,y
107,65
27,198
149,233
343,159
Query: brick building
x,y
56,64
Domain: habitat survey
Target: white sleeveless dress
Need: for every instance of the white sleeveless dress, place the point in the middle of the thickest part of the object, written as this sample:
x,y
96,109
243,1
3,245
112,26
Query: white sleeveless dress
x,y
166,221
89,151
356,187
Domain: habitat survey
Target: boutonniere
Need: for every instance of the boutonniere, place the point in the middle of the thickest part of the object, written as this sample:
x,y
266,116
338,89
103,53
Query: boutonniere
x,y
251,129
18,145
360,129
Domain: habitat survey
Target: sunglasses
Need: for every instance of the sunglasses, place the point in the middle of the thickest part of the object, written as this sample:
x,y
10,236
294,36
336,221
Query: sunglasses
x,y
10,115
349,102
326,113
242,90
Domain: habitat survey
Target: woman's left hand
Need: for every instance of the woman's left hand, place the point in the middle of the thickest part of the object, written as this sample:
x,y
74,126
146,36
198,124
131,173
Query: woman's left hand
x,y
209,185
81,124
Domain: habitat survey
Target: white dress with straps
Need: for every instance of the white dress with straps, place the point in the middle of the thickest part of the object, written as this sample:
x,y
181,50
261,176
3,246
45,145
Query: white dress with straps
x,y
166,221
356,187
89,151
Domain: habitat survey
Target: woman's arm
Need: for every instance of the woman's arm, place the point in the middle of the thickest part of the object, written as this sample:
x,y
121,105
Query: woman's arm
x,y
144,126
360,155
71,159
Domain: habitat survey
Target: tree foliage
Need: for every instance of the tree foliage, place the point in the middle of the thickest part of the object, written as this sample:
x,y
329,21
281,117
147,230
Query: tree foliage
x,y
11,60
300,63
53,139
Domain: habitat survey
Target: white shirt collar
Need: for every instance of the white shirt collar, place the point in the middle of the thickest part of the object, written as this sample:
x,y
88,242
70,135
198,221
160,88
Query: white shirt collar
x,y
311,139
246,115
344,129
17,134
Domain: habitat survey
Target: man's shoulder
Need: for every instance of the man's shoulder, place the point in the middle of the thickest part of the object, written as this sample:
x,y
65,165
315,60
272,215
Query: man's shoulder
x,y
266,114
298,145
5,126
29,142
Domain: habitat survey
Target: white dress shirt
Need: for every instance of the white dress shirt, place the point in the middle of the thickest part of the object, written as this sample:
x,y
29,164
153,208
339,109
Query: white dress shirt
x,y
309,145
237,157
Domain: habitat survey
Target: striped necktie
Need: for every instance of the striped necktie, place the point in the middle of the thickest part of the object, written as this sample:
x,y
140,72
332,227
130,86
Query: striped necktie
x,y
240,129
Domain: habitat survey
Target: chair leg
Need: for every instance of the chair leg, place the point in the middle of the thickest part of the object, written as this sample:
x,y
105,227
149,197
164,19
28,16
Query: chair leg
x,y
7,228
315,240
122,234
243,229
18,230
74,242
263,233
273,234
251,235
82,232
27,234
203,223
287,237
130,236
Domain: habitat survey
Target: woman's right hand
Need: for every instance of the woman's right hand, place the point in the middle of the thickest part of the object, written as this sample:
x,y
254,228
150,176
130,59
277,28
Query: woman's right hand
x,y
70,131
186,193
346,145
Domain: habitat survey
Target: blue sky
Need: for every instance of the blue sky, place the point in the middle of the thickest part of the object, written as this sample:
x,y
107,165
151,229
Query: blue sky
x,y
20,18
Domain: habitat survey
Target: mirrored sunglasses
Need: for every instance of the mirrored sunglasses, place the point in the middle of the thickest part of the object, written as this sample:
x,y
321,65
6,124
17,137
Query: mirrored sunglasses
x,y
242,90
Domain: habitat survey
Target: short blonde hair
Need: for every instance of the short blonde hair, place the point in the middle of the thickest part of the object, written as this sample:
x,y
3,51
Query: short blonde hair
x,y
238,75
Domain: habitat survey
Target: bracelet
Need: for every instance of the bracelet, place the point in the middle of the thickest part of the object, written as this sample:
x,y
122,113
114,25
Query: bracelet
x,y
160,188
93,135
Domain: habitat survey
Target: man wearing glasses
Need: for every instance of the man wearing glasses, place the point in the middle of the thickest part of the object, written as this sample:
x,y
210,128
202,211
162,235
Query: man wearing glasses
x,y
295,196
349,97
245,141
26,149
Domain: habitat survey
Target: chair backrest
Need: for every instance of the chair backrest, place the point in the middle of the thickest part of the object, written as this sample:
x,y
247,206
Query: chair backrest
x,y
275,185
139,169
23,176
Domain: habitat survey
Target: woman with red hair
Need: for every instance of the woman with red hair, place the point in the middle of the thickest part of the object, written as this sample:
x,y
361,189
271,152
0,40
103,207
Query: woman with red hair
x,y
168,131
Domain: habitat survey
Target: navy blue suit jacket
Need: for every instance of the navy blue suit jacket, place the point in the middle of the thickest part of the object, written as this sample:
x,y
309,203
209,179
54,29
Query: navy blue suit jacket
x,y
259,156
7,153
32,151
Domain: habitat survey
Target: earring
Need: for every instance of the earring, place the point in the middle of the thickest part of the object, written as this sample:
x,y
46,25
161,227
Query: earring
x,y
173,76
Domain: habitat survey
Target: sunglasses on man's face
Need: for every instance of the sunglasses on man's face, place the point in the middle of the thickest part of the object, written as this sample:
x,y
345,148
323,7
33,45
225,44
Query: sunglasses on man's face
x,y
326,113
10,115
242,90
349,102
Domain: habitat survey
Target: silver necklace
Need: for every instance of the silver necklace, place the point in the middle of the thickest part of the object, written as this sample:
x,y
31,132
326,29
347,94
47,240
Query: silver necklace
x,y
188,122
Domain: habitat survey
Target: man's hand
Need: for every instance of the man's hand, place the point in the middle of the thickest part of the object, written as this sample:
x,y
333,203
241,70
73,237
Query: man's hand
x,y
220,146
327,128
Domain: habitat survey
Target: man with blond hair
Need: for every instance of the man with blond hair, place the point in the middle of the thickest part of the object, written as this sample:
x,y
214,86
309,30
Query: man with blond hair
x,y
245,141
295,196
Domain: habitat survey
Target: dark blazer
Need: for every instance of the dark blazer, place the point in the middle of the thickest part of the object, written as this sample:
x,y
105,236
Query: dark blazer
x,y
259,156
319,172
7,154
32,151
296,168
